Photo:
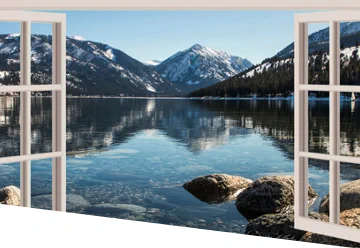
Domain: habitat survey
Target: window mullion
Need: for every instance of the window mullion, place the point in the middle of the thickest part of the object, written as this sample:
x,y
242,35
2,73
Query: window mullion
x,y
25,113
301,119
59,117
334,122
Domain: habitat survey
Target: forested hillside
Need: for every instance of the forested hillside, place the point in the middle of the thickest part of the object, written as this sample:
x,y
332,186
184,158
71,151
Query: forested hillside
x,y
275,77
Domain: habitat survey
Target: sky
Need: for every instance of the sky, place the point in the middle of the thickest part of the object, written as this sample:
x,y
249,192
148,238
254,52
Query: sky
x,y
149,35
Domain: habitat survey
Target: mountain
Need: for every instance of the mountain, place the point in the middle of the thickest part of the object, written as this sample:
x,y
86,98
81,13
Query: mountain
x,y
200,66
92,68
152,62
275,76
320,40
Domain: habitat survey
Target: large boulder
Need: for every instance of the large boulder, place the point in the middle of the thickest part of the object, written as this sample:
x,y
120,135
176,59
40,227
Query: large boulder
x,y
269,194
349,197
217,188
10,195
279,225
350,218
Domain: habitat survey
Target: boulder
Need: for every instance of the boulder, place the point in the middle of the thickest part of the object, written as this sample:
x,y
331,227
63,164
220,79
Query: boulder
x,y
10,195
348,218
349,197
267,195
217,188
279,226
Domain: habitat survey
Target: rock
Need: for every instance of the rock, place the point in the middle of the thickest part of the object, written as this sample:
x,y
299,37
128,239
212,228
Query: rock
x,y
348,218
217,188
10,195
115,208
326,240
269,194
349,197
279,225
73,202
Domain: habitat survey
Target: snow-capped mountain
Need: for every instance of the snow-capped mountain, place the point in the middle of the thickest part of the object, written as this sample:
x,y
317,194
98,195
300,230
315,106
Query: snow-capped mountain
x,y
350,33
93,68
275,76
200,66
152,62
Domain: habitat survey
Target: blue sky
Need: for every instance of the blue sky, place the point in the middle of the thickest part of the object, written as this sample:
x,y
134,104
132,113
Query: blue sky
x,y
146,35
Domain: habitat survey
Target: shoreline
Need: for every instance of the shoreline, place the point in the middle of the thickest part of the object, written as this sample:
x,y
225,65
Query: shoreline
x,y
290,98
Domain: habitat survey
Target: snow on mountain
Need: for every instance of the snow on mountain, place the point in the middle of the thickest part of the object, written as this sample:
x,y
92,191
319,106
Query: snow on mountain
x,y
200,66
93,68
320,39
12,36
152,62
265,66
346,55
76,37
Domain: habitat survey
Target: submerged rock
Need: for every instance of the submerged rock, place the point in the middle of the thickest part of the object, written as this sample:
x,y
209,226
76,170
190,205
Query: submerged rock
x,y
115,208
349,197
269,194
279,226
350,218
73,202
217,188
10,195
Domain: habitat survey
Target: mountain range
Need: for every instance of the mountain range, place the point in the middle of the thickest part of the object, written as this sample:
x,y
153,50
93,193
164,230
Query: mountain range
x,y
94,68
275,75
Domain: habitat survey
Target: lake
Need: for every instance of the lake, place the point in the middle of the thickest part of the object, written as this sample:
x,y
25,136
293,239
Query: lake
x,y
128,158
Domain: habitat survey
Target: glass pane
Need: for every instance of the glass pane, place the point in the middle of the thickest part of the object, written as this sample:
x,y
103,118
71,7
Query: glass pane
x,y
9,126
41,184
41,123
9,55
319,181
10,184
349,195
318,126
349,56
41,55
349,128
318,56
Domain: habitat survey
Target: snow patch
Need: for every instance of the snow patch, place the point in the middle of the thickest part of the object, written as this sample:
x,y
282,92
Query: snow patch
x,y
77,37
152,62
150,88
12,36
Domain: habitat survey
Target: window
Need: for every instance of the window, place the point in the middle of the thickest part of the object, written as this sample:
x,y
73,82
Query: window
x,y
333,227
58,89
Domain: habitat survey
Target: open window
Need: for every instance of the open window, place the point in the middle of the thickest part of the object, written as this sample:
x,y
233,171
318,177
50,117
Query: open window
x,y
58,89
302,154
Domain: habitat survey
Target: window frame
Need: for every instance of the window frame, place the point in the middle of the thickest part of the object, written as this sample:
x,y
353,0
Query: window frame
x,y
58,88
302,222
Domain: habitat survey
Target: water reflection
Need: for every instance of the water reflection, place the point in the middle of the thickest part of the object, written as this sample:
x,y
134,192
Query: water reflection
x,y
96,124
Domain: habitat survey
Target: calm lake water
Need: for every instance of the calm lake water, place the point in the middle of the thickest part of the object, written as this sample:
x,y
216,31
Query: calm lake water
x,y
139,152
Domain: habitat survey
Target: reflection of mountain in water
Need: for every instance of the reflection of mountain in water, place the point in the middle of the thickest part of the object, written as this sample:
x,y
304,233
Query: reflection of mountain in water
x,y
95,124
112,121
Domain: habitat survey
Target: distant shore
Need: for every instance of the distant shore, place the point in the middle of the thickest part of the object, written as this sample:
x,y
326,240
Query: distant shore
x,y
289,98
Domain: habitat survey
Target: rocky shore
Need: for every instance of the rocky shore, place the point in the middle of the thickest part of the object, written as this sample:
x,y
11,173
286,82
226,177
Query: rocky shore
x,y
268,203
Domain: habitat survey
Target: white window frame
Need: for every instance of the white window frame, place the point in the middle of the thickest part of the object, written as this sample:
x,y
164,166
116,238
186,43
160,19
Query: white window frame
x,y
333,227
58,88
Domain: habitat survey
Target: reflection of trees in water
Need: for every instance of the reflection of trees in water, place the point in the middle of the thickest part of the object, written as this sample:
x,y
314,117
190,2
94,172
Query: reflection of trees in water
x,y
94,124
115,120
